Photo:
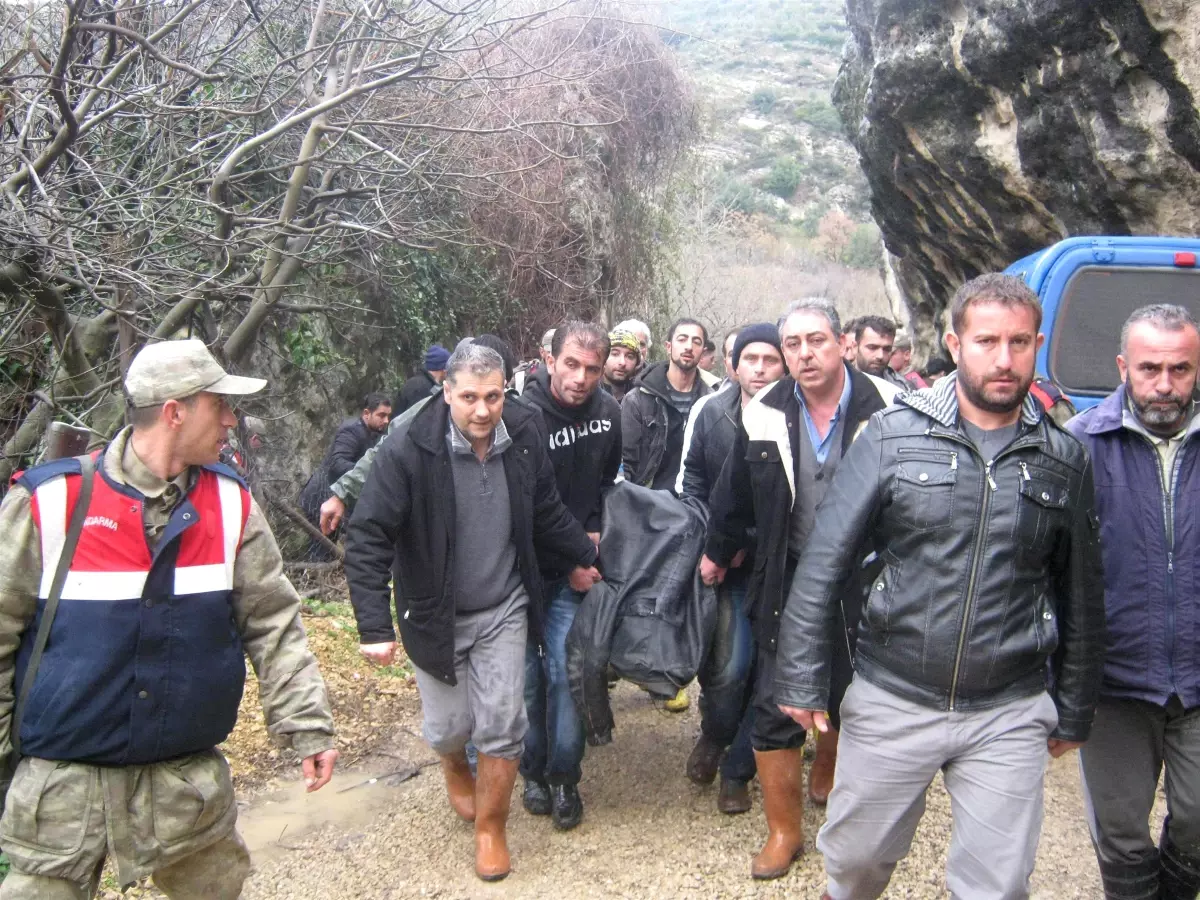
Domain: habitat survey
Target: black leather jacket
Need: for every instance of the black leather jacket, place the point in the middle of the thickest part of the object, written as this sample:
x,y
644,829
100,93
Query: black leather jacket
x,y
991,568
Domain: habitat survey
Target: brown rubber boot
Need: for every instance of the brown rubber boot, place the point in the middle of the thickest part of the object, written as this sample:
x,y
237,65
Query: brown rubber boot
x,y
820,776
460,784
780,773
493,796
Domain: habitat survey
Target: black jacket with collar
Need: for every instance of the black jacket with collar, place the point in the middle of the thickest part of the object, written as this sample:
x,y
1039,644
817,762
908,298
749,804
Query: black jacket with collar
x,y
350,443
991,567
652,429
403,529
711,432
585,449
352,440
757,488
413,392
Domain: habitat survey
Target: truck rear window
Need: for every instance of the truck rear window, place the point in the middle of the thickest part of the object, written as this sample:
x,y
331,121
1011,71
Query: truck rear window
x,y
1086,334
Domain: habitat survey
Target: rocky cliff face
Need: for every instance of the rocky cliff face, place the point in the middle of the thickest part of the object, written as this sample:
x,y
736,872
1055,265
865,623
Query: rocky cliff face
x,y
992,128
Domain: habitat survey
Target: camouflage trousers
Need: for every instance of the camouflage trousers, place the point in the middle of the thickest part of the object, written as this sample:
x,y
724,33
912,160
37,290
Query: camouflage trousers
x,y
173,820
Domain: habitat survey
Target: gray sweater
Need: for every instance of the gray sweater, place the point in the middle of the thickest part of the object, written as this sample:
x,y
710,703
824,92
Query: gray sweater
x,y
485,555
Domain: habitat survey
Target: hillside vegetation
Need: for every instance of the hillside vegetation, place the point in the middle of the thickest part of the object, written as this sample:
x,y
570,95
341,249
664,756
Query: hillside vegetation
x,y
775,205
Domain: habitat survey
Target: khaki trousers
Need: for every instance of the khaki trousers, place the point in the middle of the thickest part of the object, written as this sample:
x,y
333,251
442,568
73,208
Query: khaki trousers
x,y
173,820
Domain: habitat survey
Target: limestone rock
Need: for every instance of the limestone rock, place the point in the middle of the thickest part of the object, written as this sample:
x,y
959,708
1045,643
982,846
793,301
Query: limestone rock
x,y
990,129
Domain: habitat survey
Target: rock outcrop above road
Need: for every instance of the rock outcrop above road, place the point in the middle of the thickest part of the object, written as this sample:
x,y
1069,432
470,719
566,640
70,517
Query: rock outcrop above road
x,y
992,128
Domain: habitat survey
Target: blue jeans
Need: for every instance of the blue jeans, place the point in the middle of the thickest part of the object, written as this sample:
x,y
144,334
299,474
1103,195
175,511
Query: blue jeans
x,y
555,743
726,679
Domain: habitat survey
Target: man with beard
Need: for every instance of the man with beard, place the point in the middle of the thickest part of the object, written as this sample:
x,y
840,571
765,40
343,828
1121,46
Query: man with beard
x,y
584,426
621,367
1142,441
755,360
874,342
351,441
792,438
981,644
655,413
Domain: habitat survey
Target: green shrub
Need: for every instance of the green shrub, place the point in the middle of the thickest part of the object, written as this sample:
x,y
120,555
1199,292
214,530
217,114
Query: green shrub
x,y
783,179
764,100
810,222
863,250
737,196
820,115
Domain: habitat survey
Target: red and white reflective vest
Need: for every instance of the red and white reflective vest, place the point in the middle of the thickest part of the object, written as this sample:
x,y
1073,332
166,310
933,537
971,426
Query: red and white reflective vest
x,y
144,661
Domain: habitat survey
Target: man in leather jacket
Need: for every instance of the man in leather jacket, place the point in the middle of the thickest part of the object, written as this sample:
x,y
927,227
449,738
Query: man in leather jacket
x,y
982,511
459,509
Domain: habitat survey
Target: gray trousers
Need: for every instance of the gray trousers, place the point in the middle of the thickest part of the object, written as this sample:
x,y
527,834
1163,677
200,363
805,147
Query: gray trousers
x,y
993,762
487,705
1130,743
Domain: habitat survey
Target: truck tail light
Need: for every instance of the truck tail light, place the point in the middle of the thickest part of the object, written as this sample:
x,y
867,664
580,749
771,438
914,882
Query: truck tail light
x,y
1185,260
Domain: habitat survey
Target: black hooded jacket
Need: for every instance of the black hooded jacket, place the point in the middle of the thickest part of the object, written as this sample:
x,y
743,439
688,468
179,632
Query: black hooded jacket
x,y
585,448
652,429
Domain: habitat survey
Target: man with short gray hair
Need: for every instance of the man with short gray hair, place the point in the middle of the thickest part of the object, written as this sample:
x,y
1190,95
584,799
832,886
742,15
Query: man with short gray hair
x,y
791,439
1143,443
459,503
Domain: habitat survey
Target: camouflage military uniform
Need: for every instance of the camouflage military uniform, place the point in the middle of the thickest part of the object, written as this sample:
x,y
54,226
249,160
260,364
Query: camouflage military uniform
x,y
174,819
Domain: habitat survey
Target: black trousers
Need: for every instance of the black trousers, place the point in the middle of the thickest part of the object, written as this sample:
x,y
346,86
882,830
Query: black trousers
x,y
772,729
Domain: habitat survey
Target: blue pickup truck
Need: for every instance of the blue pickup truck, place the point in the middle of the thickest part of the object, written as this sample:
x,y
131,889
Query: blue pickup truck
x,y
1088,287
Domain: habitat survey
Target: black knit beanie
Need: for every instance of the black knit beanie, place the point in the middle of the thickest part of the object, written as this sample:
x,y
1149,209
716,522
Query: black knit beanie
x,y
761,332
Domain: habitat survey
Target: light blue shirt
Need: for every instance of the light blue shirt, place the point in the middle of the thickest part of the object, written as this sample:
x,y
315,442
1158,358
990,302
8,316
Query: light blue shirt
x,y
820,444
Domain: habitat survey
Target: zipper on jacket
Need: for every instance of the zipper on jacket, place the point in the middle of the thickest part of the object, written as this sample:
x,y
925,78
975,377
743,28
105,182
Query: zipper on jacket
x,y
977,555
1170,504
987,489
1168,513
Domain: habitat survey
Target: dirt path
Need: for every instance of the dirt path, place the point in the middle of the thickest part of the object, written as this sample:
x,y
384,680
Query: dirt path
x,y
647,832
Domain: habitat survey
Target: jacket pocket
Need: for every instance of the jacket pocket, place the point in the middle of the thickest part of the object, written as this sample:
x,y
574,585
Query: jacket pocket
x,y
879,601
190,795
923,492
418,610
1042,511
1045,626
48,807
763,452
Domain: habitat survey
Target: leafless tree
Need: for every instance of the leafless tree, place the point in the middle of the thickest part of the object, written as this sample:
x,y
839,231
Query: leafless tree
x,y
188,165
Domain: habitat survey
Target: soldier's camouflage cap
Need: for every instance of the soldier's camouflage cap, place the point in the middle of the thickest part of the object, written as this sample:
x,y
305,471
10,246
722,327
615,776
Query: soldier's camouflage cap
x,y
173,370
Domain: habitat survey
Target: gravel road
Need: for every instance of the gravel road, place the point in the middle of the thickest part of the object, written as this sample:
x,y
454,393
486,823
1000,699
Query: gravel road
x,y
647,832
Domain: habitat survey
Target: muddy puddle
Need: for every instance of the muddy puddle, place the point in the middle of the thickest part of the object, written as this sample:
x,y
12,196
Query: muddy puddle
x,y
279,818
